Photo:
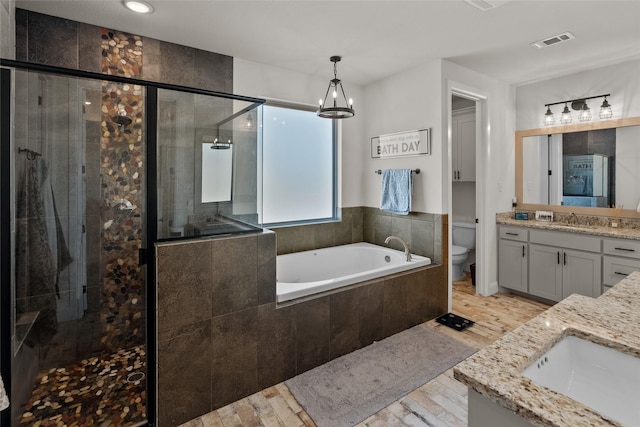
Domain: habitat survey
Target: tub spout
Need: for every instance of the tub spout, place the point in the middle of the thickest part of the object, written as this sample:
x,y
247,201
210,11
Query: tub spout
x,y
407,252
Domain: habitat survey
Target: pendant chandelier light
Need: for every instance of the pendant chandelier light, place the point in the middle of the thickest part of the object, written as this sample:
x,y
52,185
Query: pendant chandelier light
x,y
336,109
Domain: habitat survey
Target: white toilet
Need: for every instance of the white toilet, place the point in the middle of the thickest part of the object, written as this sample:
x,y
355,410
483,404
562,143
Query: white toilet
x,y
464,240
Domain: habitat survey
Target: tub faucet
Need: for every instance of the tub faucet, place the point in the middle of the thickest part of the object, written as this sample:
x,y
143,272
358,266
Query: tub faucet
x,y
405,244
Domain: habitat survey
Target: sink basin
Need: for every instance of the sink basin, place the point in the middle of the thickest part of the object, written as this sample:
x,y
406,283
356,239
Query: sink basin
x,y
599,377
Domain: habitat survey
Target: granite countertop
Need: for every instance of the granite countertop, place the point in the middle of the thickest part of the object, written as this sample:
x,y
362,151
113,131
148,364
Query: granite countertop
x,y
581,228
495,371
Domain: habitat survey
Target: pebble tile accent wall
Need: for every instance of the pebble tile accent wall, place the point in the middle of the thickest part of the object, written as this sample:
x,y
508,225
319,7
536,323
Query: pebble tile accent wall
x,y
121,151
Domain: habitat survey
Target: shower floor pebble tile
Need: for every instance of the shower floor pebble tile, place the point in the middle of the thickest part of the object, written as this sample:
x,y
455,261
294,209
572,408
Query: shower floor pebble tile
x,y
99,391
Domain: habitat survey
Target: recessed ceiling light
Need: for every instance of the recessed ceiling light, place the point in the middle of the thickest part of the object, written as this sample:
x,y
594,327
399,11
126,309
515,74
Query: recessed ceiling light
x,y
138,6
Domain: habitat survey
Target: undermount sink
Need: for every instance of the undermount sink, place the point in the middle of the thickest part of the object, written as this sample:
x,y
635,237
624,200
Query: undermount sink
x,y
599,377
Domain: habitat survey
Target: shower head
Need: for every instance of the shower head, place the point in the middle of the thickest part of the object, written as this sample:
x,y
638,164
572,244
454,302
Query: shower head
x,y
122,120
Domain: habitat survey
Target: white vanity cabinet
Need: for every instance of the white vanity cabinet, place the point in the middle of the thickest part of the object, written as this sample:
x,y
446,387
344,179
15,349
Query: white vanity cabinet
x,y
513,252
463,149
561,264
620,257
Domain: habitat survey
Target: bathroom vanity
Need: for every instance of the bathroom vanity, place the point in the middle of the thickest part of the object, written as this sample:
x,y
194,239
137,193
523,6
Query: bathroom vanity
x,y
553,260
501,392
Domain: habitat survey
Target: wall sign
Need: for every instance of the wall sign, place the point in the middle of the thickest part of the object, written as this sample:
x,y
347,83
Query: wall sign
x,y
410,143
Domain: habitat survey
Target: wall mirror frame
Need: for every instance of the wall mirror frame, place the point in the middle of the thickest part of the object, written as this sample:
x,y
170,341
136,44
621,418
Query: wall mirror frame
x,y
579,127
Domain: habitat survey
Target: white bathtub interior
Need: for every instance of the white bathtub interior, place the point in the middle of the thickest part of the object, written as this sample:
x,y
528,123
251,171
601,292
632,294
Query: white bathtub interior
x,y
309,272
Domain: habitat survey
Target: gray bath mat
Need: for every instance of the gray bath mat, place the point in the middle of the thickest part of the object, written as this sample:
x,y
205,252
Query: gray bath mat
x,y
351,388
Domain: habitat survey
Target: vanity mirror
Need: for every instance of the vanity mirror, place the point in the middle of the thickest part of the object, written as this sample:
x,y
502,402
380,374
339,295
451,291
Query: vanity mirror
x,y
580,168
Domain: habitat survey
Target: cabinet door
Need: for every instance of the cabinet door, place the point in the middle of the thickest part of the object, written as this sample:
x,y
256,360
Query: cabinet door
x,y
466,134
545,272
581,274
512,267
616,268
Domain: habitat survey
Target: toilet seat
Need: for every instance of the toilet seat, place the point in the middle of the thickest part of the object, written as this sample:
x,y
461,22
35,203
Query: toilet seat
x,y
458,250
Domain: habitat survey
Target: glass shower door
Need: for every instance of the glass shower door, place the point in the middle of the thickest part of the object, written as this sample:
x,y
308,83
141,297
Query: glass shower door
x,y
79,317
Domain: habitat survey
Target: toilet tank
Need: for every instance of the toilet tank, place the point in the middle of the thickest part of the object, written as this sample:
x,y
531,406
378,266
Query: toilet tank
x,y
464,234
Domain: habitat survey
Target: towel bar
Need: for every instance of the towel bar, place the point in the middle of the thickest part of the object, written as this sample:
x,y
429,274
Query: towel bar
x,y
379,171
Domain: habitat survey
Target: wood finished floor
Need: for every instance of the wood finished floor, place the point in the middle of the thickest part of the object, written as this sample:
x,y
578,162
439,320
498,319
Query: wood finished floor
x,y
440,402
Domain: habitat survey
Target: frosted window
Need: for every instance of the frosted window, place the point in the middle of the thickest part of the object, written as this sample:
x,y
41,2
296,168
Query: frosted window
x,y
298,168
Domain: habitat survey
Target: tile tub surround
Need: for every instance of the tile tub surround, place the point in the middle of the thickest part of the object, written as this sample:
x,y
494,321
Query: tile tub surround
x,y
495,371
424,232
221,336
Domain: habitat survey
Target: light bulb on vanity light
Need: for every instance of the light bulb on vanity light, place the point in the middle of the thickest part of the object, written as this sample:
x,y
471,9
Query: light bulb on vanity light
x,y
585,113
566,115
548,117
605,110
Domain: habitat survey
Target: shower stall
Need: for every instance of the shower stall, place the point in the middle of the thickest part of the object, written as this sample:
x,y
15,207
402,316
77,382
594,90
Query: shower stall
x,y
96,169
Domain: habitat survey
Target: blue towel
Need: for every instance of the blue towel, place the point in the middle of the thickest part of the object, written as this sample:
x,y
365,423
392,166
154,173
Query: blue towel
x,y
395,196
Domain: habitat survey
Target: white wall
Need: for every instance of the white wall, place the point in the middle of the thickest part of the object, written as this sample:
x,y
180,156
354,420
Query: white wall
x,y
406,101
7,29
621,80
414,99
259,80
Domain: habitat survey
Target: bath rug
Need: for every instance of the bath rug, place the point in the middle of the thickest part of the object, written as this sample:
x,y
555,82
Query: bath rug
x,y
351,388
454,321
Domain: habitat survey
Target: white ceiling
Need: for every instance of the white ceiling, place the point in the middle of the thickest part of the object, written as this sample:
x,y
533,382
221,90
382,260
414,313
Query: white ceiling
x,y
381,38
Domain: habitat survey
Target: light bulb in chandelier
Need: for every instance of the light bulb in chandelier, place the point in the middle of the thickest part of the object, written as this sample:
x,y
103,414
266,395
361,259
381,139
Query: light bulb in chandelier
x,y
340,108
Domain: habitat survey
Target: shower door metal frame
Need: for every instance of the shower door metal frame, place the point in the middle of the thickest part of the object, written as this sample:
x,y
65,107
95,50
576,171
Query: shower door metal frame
x,y
150,213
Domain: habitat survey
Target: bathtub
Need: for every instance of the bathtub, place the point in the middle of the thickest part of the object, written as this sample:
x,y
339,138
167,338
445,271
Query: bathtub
x,y
319,270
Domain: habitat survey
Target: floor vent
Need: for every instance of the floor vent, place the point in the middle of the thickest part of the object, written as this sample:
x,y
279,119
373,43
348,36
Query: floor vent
x,y
553,40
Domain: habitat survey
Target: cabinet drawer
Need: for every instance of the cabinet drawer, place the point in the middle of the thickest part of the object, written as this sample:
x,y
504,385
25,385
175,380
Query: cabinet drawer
x,y
514,233
565,240
622,247
615,269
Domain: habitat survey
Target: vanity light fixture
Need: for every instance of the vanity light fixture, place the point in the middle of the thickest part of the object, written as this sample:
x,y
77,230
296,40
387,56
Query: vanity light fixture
x,y
548,117
579,104
605,110
220,145
216,142
138,6
336,111
585,113
565,118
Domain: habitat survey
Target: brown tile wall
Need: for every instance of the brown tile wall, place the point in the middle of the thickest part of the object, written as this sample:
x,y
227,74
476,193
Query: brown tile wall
x,y
422,231
49,40
221,336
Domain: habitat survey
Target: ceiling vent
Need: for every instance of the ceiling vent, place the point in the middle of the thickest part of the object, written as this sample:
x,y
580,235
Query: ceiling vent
x,y
486,4
553,40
